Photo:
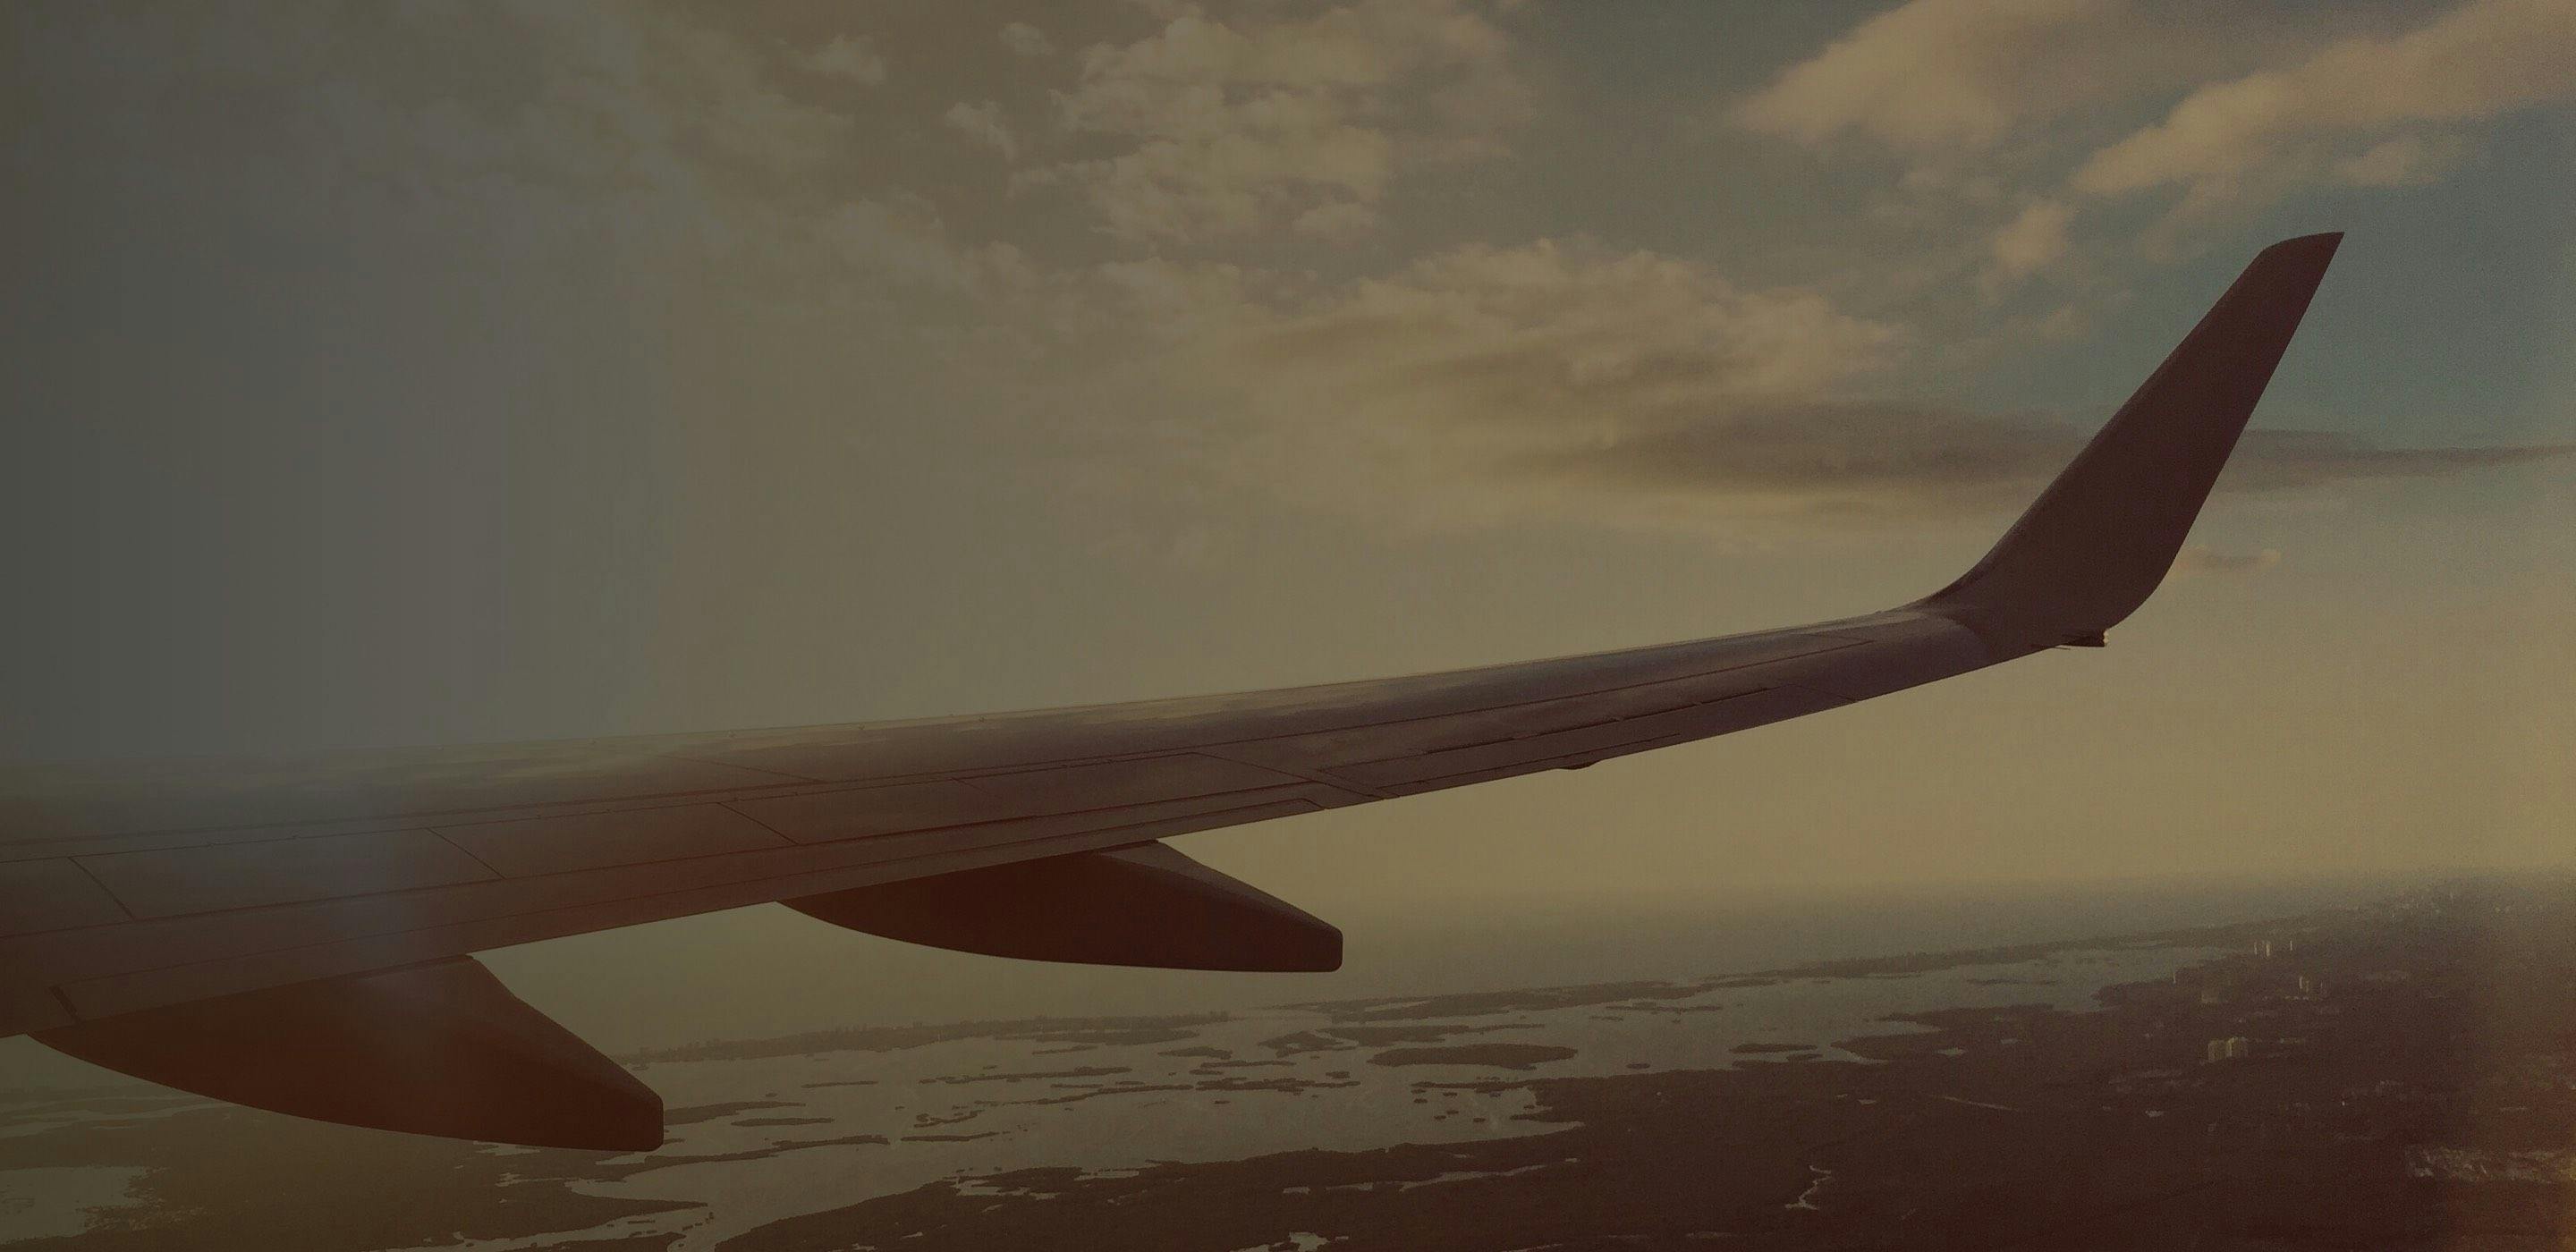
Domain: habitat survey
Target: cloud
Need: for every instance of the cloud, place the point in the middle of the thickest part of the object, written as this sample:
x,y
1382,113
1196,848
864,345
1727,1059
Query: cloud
x,y
849,57
630,124
2198,559
898,241
2278,460
1424,393
2032,240
2300,122
1556,332
1338,221
1025,40
1861,458
2065,105
1236,169
2405,161
1821,457
1473,384
1234,128
1934,77
628,141
983,123
1562,379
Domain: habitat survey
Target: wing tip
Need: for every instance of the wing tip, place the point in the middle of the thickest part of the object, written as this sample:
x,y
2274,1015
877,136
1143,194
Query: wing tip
x,y
2308,253
2103,534
2323,243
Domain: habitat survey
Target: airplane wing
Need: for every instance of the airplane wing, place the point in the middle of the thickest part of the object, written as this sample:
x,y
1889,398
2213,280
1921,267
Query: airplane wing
x,y
296,934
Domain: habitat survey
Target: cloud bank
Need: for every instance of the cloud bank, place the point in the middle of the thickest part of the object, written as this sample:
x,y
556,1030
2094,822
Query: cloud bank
x,y
2003,104
1567,380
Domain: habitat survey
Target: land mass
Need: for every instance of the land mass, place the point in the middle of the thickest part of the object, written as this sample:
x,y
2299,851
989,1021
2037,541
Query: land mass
x,y
2407,1079
2396,1076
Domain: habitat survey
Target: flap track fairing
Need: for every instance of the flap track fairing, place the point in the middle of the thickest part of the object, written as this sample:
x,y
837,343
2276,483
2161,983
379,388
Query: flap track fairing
x,y
436,1049
1146,905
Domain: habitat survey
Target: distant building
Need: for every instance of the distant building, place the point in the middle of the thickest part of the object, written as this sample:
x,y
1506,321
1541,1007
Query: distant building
x,y
2232,1048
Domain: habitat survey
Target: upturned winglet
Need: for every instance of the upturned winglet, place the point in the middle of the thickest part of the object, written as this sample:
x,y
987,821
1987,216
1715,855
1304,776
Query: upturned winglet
x,y
2094,545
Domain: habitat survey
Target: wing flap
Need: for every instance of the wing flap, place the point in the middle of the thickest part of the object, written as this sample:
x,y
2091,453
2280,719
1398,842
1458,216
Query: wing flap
x,y
103,971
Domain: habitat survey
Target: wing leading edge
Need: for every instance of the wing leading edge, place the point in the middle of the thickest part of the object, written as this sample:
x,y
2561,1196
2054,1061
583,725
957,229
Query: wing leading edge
x,y
131,893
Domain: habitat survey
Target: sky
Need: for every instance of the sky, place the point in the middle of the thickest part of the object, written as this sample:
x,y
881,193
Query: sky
x,y
437,372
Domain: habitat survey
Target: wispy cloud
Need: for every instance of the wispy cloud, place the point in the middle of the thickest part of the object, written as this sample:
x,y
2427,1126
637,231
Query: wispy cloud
x,y
1469,382
2330,115
1026,40
982,122
1848,459
1561,378
851,57
2198,559
1936,78
2034,239
1997,103
1229,127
